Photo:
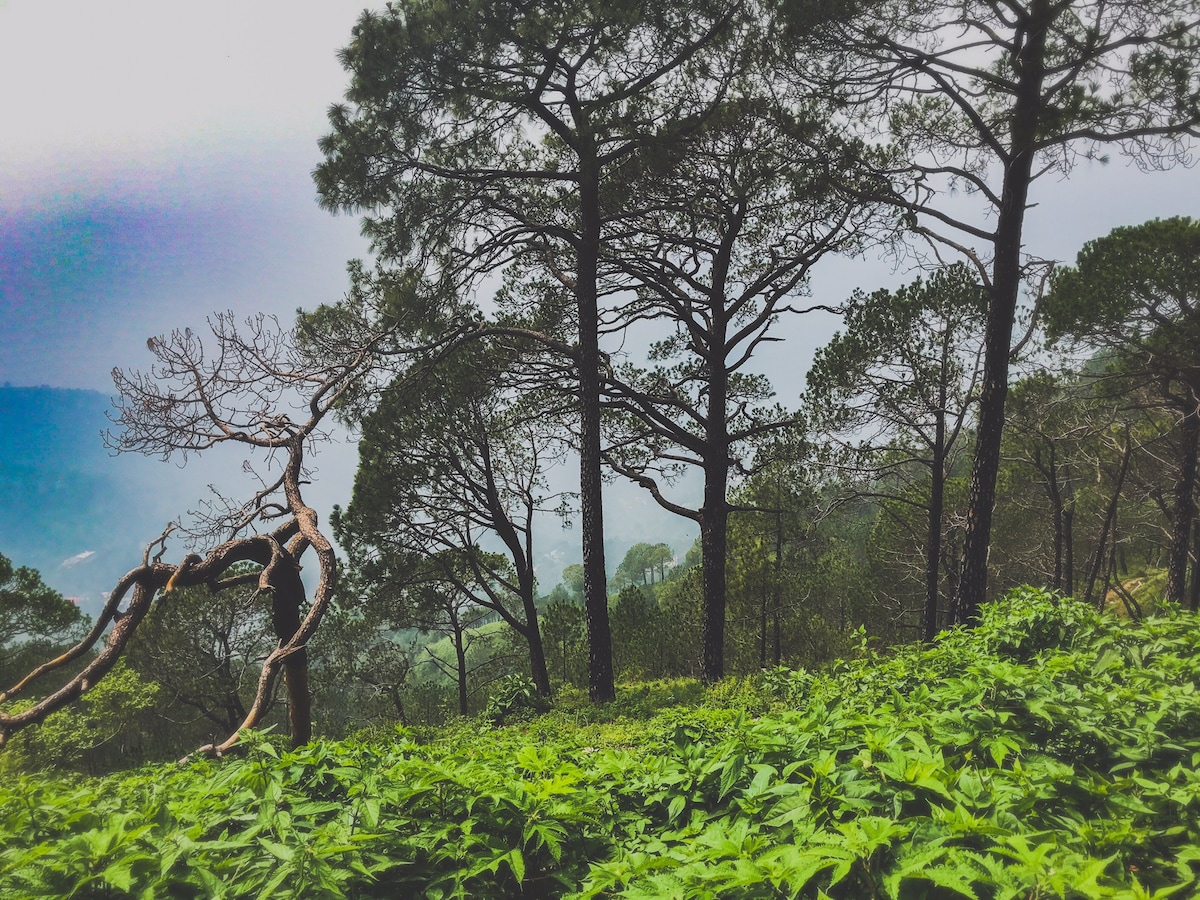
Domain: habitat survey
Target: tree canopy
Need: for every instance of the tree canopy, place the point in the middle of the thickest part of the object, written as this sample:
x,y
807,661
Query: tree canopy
x,y
894,393
1135,295
986,97
479,136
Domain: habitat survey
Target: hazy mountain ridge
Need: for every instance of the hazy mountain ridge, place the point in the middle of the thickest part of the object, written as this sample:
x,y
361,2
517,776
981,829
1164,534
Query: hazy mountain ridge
x,y
68,507
82,516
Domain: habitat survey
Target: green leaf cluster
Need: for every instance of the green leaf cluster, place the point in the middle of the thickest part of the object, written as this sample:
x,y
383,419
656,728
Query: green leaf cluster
x,y
1050,752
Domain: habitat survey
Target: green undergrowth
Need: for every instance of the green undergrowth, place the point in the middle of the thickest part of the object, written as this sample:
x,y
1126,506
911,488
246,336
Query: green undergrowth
x,y
1051,752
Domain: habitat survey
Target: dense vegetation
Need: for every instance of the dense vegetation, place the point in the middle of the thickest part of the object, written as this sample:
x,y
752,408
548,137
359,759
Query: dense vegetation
x,y
585,221
1050,752
642,190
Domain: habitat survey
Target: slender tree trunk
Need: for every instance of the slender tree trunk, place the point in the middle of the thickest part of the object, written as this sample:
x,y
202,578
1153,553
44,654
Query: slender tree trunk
x,y
1132,607
933,553
1110,571
537,658
286,600
1110,520
1002,308
460,661
520,549
714,533
601,688
1069,548
533,633
762,622
1050,472
1194,596
1185,510
776,637
937,500
777,587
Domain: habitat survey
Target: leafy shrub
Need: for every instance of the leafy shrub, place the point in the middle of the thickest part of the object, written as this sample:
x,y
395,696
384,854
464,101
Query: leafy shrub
x,y
744,694
783,687
514,699
87,734
996,764
641,701
634,701
1027,621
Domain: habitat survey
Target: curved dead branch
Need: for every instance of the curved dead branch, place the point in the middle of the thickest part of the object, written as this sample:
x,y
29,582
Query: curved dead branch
x,y
190,401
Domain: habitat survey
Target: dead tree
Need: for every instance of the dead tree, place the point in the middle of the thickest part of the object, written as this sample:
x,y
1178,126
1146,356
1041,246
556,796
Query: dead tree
x,y
264,387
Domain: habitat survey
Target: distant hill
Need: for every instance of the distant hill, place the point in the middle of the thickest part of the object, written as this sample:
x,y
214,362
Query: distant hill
x,y
83,517
68,507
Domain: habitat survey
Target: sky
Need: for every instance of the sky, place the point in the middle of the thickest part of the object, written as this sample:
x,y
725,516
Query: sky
x,y
156,166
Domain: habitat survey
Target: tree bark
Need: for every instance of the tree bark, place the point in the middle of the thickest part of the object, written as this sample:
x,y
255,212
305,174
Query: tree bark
x,y
776,636
777,586
1050,472
933,550
762,622
601,687
287,598
527,585
937,502
1069,547
713,534
714,520
1006,284
1185,510
537,652
1110,519
1194,595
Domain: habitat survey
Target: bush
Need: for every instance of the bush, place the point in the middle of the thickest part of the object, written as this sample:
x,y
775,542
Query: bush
x,y
514,699
1027,621
1051,752
88,735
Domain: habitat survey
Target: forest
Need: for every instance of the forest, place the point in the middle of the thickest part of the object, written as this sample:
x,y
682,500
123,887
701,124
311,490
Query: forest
x,y
588,223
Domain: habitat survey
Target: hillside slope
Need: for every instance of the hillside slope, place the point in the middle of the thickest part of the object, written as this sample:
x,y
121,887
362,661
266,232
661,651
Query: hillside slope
x,y
1052,752
68,508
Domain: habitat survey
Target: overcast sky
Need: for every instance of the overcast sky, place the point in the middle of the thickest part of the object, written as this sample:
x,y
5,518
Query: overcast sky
x,y
155,166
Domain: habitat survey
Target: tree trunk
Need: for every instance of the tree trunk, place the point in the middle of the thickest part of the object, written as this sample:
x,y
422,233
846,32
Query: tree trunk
x,y
1185,511
937,500
460,662
533,631
776,637
777,587
1050,472
287,597
537,654
1069,548
933,553
1002,308
1132,607
1110,519
762,621
601,688
1194,597
398,703
714,533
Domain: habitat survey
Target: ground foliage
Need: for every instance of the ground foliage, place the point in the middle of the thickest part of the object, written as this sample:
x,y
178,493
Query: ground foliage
x,y
1051,752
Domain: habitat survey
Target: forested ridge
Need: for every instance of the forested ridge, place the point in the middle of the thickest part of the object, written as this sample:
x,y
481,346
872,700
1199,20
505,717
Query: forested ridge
x,y
586,220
